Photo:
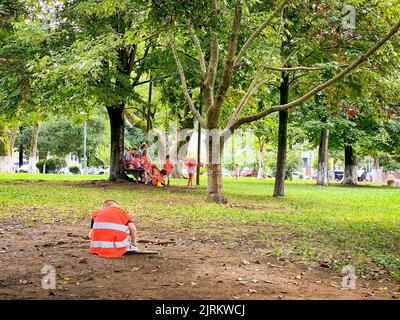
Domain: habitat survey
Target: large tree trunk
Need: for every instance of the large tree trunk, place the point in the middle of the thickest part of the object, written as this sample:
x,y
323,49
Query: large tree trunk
x,y
214,170
214,182
33,150
4,147
181,152
184,132
350,166
279,189
376,172
116,116
177,169
322,178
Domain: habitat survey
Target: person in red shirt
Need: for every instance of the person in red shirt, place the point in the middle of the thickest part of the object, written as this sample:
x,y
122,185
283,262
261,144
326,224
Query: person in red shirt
x,y
112,232
137,165
236,171
146,163
168,166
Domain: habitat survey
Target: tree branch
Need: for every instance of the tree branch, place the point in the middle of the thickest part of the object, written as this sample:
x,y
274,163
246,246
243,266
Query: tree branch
x,y
282,69
209,80
250,41
140,69
136,84
198,49
250,91
321,86
230,56
184,85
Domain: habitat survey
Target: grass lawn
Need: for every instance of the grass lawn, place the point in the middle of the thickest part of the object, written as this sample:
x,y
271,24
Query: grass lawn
x,y
337,225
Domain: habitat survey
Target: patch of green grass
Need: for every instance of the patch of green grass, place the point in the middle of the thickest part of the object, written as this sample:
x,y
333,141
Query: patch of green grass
x,y
345,225
49,177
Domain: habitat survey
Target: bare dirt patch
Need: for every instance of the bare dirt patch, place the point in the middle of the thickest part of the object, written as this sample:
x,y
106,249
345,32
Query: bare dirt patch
x,y
187,268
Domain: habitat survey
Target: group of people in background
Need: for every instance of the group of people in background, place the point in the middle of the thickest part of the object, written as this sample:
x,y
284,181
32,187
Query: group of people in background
x,y
139,159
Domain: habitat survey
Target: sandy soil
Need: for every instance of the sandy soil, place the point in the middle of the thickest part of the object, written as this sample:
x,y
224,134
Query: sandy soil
x,y
187,268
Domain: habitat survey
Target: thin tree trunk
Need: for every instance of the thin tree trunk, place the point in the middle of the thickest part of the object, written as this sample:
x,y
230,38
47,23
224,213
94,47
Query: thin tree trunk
x,y
117,170
279,188
21,155
350,166
33,150
260,174
322,178
148,117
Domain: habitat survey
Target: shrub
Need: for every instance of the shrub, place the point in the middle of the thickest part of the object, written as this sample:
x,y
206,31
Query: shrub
x,y
55,164
293,163
74,170
40,165
203,170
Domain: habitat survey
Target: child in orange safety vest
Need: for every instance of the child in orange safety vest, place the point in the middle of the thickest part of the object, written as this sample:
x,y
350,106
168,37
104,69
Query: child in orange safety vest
x,y
168,166
112,232
157,176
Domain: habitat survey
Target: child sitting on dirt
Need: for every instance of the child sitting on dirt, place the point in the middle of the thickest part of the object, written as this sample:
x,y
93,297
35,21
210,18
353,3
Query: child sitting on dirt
x,y
157,176
112,232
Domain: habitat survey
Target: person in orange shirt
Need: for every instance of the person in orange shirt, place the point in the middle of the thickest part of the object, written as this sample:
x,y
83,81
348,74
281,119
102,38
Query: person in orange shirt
x,y
157,176
112,232
168,166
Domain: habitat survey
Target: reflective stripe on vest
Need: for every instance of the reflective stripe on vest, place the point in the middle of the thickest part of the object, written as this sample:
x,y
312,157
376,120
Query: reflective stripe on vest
x,y
109,244
110,226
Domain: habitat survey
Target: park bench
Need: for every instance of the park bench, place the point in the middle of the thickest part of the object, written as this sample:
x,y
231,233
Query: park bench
x,y
136,174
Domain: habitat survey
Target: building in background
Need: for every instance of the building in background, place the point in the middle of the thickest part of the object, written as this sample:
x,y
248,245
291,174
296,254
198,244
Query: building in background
x,y
307,156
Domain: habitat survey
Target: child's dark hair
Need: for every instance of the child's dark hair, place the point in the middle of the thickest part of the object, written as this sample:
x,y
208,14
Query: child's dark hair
x,y
109,203
163,172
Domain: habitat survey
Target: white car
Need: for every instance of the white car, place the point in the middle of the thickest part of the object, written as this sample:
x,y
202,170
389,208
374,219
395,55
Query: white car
x,y
64,170
103,171
225,173
26,168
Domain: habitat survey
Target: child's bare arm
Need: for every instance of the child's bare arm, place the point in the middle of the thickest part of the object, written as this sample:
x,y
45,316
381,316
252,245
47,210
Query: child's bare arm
x,y
133,232
91,229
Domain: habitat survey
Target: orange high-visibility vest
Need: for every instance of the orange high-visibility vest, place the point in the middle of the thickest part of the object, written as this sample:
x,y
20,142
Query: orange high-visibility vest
x,y
168,166
157,177
146,163
110,232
